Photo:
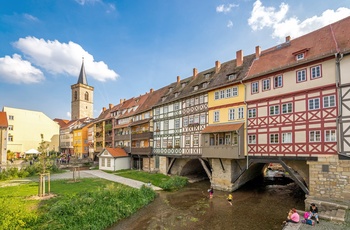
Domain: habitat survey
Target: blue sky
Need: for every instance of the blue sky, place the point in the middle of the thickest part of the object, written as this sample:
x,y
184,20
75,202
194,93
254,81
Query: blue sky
x,y
132,46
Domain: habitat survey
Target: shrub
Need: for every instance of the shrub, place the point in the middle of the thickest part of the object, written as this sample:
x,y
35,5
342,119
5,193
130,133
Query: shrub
x,y
175,183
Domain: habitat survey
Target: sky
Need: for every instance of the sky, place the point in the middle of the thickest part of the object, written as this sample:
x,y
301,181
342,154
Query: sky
x,y
130,47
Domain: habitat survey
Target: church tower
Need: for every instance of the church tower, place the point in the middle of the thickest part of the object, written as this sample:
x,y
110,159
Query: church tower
x,y
82,97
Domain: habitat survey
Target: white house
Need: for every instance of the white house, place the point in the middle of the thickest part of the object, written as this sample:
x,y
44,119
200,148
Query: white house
x,y
113,159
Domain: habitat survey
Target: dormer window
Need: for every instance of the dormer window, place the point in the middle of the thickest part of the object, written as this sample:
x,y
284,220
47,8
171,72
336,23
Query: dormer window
x,y
183,85
170,89
176,94
195,88
232,76
300,56
163,98
205,84
207,75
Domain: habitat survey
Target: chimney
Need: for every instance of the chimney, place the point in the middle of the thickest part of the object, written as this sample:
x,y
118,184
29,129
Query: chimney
x,y
151,90
104,109
121,101
195,72
257,52
217,66
288,39
110,106
178,79
239,58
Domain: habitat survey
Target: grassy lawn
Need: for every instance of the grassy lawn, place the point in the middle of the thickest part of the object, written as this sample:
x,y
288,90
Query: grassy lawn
x,y
160,180
87,204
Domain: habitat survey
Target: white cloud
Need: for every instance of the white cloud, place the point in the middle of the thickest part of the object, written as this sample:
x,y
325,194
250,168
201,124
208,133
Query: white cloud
x,y
15,70
63,58
69,115
229,24
283,26
83,2
225,8
30,17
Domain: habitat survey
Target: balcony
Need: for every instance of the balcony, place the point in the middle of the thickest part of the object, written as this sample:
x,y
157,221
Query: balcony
x,y
108,138
142,136
141,151
223,151
99,149
98,139
122,137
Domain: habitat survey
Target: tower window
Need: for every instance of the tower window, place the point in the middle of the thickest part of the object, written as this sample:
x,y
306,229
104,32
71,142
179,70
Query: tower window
x,y
75,95
86,96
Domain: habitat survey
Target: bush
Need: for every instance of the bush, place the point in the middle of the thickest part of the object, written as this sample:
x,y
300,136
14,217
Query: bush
x,y
175,183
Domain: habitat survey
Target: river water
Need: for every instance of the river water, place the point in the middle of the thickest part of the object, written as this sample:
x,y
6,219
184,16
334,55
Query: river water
x,y
259,205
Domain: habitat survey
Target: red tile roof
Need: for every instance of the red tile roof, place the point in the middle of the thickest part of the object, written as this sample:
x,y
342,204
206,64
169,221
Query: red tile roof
x,y
324,42
222,128
3,120
117,152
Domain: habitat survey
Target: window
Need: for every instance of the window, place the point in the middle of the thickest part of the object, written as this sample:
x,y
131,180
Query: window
x,y
147,115
287,108
10,138
274,138
103,162
195,88
278,81
228,93
157,111
286,137
108,162
231,77
234,91
274,110
255,87
330,135
177,143
222,94
314,104
158,143
165,109
185,121
240,113
251,139
86,96
315,136
216,95
204,85
202,119
196,119
231,114
183,85
188,140
195,140
11,117
177,123
176,94
75,95
176,106
227,139
10,127
301,75
299,56
201,99
315,72
170,89
251,113
266,84
157,126
191,120
329,101
216,116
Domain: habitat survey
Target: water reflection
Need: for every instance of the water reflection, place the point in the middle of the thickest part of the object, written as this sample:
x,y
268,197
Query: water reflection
x,y
261,204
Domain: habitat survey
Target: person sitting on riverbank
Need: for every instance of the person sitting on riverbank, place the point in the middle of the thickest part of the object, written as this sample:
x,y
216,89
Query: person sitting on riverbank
x,y
313,212
211,192
229,199
293,217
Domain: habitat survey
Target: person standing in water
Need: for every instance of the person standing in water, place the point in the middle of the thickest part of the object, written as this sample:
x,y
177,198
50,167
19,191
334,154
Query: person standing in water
x,y
211,192
229,199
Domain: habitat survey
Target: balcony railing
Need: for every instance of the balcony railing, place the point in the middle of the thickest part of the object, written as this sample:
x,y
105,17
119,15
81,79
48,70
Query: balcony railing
x,y
141,151
142,136
122,137
223,151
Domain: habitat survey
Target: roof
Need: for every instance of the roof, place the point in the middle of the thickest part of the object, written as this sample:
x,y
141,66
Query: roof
x,y
61,122
115,152
222,128
82,76
3,120
321,43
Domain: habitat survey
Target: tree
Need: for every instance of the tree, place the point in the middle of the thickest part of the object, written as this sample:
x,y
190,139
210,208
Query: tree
x,y
43,149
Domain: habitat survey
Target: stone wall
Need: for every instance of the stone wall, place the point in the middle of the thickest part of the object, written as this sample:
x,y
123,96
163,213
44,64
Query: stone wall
x,y
330,178
148,164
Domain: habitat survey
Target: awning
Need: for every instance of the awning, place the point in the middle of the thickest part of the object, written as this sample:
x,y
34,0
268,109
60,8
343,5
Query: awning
x,y
32,151
222,128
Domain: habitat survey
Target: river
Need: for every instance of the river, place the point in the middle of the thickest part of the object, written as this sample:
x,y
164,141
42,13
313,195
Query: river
x,y
259,205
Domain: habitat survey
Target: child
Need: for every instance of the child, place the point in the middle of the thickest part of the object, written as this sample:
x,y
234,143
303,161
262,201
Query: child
x,y
229,199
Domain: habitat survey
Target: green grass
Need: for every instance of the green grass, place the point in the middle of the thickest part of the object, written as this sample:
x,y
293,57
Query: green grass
x,y
87,204
160,180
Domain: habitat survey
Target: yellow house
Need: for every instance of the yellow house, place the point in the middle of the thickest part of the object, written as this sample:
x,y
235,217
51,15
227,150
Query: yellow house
x,y
80,141
27,128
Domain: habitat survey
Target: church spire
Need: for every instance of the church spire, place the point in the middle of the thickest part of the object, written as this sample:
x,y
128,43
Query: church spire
x,y
82,76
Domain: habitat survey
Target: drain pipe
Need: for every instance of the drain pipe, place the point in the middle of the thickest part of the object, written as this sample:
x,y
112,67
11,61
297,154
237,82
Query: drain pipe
x,y
338,58
246,119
